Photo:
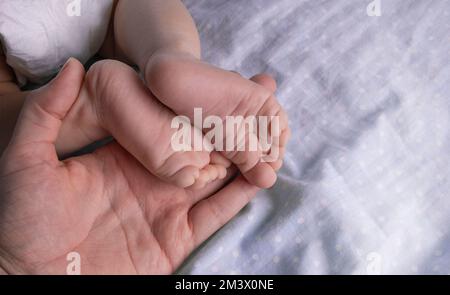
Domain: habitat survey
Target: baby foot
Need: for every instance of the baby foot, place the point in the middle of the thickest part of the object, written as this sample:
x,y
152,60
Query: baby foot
x,y
142,125
184,83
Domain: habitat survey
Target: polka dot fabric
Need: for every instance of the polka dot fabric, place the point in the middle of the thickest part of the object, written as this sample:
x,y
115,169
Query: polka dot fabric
x,y
366,184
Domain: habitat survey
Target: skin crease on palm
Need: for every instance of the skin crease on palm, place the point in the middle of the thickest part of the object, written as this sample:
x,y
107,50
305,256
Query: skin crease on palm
x,y
105,205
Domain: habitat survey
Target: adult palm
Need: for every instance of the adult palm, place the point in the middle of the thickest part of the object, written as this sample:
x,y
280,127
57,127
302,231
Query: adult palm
x,y
104,206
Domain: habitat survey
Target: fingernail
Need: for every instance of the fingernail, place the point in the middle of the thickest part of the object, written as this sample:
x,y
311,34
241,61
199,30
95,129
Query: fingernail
x,y
66,64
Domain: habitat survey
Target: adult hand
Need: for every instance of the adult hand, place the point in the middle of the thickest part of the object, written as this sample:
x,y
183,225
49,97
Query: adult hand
x,y
104,206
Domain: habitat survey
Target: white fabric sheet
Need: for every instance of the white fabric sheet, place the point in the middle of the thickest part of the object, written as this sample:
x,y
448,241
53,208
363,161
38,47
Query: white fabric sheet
x,y
366,183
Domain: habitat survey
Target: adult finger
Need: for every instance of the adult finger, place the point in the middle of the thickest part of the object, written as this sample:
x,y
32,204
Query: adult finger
x,y
265,80
44,109
210,214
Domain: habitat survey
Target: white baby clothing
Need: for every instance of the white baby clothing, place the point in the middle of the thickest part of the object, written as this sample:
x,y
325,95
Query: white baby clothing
x,y
38,36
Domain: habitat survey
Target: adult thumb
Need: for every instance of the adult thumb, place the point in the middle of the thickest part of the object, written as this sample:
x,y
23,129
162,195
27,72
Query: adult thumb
x,y
41,117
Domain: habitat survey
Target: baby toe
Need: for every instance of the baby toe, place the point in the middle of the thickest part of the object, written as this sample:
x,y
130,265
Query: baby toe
x,y
262,175
186,177
276,165
212,172
219,159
